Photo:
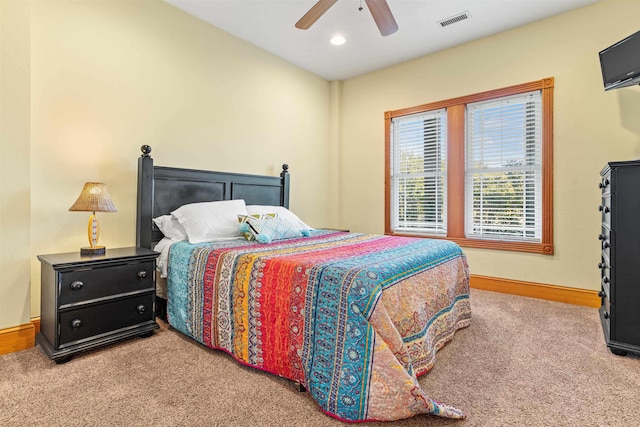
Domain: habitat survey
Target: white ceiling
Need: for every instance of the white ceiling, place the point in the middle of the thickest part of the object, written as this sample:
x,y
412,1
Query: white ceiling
x,y
269,24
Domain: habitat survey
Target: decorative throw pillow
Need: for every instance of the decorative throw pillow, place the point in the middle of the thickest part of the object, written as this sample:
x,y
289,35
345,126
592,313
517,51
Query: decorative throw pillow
x,y
209,221
246,225
268,230
283,213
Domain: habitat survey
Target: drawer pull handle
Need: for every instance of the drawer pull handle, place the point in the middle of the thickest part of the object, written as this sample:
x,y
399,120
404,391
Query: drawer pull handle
x,y
76,323
603,184
76,285
606,209
141,308
606,315
602,265
605,279
142,274
605,245
601,294
601,236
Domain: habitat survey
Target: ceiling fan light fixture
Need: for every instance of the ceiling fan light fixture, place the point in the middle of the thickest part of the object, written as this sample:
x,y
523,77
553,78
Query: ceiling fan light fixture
x,y
337,40
379,9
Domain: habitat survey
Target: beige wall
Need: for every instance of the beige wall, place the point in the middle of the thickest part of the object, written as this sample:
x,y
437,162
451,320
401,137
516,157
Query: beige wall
x,y
109,76
591,127
14,164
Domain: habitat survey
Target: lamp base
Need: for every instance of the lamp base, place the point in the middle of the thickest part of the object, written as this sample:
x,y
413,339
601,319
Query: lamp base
x,y
96,250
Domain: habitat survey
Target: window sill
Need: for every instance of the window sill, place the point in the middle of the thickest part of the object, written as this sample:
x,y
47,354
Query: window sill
x,y
502,245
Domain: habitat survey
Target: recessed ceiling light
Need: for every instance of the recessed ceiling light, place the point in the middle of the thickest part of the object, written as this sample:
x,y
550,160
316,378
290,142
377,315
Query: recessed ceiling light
x,y
337,40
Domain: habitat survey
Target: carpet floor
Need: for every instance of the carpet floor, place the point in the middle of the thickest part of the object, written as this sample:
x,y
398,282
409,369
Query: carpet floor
x,y
522,362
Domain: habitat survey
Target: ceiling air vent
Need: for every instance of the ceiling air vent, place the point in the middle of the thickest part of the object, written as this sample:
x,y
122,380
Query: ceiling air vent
x,y
457,18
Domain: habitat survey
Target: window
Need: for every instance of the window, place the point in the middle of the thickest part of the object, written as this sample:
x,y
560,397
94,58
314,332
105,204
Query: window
x,y
503,179
476,170
420,154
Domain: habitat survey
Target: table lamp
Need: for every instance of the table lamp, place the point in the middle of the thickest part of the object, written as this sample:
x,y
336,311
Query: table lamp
x,y
94,197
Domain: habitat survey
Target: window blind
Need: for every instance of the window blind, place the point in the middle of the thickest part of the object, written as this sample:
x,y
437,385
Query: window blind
x,y
503,178
418,173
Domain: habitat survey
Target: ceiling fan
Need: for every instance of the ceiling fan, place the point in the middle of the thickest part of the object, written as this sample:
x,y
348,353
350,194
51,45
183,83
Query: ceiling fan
x,y
379,10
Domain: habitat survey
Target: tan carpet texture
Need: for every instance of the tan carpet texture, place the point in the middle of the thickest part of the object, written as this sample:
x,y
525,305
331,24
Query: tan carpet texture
x,y
522,362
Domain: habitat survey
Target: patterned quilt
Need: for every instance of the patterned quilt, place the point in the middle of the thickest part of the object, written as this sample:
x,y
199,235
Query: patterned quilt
x,y
355,318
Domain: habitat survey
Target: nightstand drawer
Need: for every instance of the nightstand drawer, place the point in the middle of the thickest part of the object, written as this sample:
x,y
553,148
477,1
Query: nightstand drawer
x,y
90,321
91,283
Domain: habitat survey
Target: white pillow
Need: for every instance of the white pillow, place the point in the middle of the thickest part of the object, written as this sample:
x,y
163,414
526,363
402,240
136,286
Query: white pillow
x,y
171,227
282,212
208,221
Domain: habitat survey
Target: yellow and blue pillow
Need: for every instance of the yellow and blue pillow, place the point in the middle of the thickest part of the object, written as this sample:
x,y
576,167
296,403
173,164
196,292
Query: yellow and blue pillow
x,y
266,228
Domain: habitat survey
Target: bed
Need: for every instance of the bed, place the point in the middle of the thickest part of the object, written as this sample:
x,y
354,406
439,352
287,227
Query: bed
x,y
354,318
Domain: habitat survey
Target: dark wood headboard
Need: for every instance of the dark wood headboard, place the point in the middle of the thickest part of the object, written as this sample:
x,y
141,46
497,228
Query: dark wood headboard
x,y
161,190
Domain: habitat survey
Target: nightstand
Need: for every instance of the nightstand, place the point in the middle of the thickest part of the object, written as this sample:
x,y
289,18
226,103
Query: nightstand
x,y
92,301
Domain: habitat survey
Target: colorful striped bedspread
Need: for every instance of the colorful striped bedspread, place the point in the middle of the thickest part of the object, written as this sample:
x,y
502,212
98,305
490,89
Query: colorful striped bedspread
x,y
355,318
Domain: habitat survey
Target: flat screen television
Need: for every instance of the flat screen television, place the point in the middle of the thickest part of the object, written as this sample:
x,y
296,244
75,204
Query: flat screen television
x,y
620,63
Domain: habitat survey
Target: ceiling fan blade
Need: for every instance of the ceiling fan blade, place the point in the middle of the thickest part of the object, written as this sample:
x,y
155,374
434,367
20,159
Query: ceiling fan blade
x,y
314,13
382,15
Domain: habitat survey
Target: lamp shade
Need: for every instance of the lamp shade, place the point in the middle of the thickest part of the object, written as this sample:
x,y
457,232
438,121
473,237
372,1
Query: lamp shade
x,y
94,197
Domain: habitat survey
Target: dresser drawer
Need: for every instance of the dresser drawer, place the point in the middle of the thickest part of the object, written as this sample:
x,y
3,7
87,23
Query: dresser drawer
x,y
605,317
605,282
605,210
605,183
98,282
605,269
90,321
605,244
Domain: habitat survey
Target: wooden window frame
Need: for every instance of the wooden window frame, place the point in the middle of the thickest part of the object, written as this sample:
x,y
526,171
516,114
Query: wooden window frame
x,y
456,167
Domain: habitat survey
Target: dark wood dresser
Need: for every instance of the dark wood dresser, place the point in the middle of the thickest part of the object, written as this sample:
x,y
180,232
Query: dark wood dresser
x,y
91,301
620,259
